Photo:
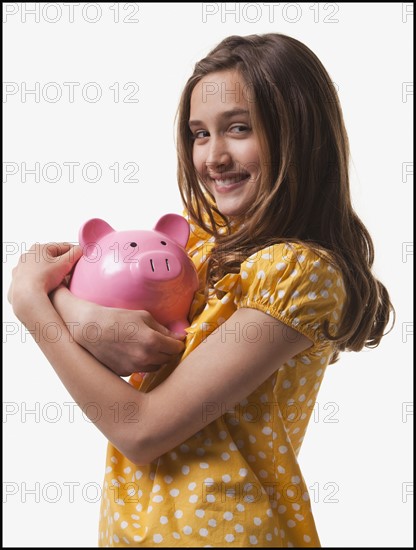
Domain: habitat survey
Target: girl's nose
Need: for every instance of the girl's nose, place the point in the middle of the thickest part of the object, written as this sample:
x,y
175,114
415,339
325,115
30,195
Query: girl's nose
x,y
218,155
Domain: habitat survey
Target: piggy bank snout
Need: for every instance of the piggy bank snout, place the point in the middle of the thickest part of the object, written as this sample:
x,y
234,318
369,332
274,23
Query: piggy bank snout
x,y
159,265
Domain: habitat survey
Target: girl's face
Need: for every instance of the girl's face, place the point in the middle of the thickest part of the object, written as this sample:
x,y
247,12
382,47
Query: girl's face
x,y
225,149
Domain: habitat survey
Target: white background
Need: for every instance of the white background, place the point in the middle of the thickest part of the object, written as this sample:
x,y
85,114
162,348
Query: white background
x,y
358,468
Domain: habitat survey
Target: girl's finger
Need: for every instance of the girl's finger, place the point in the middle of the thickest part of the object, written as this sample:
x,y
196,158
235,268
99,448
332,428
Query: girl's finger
x,y
59,249
72,255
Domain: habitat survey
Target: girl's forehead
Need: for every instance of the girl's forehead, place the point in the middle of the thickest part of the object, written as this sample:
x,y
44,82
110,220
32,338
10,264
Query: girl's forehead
x,y
220,90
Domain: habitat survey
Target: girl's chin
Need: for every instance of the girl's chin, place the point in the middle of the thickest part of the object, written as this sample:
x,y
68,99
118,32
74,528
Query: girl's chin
x,y
230,209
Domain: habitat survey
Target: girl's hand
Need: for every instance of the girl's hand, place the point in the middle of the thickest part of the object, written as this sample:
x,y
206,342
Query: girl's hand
x,y
126,341
40,271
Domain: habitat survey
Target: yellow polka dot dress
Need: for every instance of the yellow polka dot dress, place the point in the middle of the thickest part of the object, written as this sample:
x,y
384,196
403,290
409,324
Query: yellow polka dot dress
x,y
237,482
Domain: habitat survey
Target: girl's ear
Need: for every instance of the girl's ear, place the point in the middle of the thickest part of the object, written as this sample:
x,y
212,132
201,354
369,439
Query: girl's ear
x,y
175,227
91,232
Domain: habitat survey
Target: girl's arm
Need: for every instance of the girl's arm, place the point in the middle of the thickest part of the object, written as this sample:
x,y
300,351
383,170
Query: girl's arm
x,y
218,374
124,340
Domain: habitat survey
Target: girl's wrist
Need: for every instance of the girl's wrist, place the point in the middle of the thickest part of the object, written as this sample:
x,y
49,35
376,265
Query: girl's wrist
x,y
29,305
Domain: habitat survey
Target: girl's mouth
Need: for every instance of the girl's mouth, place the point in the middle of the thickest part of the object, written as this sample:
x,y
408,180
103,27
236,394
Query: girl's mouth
x,y
228,184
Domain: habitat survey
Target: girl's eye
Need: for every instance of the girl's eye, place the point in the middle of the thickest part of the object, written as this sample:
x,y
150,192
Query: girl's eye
x,y
200,134
239,128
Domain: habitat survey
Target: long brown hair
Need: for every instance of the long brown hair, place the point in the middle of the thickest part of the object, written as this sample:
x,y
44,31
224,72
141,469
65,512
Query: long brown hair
x,y
303,192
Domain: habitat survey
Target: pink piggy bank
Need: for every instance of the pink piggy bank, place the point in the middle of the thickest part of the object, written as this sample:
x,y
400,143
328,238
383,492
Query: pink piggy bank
x,y
147,270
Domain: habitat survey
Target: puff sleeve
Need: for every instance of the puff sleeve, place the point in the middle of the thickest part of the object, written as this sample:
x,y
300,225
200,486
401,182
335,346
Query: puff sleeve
x,y
296,286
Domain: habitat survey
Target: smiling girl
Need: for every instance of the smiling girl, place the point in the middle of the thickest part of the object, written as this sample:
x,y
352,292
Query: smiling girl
x,y
284,265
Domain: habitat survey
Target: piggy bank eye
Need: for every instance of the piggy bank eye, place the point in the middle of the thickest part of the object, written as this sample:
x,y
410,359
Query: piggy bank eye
x,y
133,244
163,242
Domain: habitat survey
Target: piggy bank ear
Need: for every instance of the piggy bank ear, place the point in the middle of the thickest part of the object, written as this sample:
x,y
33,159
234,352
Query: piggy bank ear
x,y
93,230
175,227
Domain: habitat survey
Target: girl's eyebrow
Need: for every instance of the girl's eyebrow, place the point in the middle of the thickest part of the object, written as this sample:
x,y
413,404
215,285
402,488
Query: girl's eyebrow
x,y
225,114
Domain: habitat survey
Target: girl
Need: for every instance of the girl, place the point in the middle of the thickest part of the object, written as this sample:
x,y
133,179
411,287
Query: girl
x,y
207,456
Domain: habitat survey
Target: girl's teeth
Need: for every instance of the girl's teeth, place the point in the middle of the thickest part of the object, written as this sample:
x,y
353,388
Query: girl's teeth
x,y
224,183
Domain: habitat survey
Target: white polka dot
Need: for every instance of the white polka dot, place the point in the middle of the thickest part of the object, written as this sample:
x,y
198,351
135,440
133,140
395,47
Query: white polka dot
x,y
200,513
203,465
222,435
187,529
168,479
257,521
210,498
174,492
240,507
226,478
281,509
267,430
261,275
225,456
232,447
176,535
229,538
115,538
212,522
193,498
313,277
244,275
280,293
282,449
157,498
163,520
243,472
312,295
280,266
156,488
286,384
239,528
291,523
269,537
324,293
178,514
253,539
192,486
123,524
228,516
185,470
306,538
203,532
